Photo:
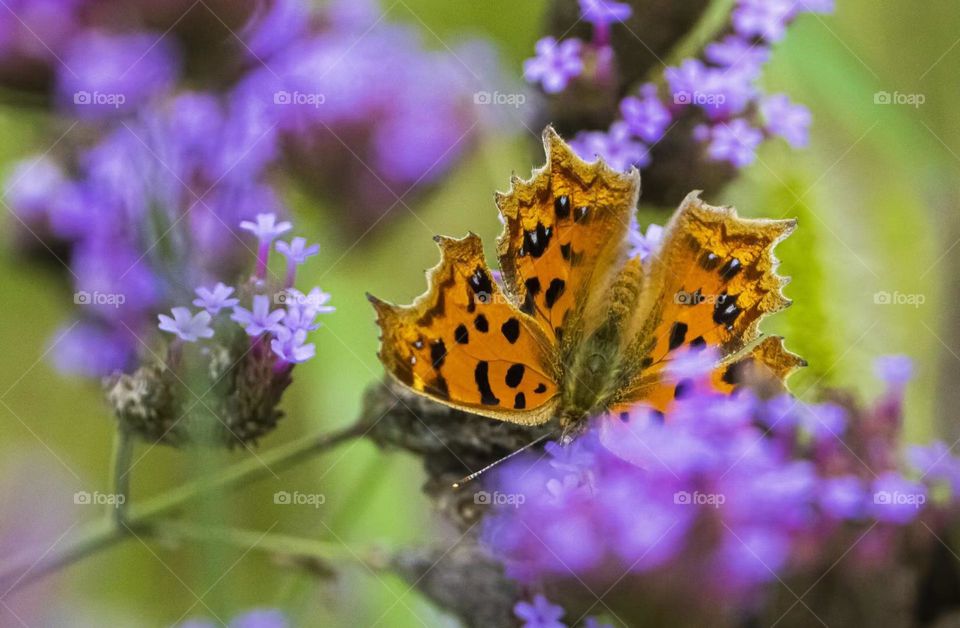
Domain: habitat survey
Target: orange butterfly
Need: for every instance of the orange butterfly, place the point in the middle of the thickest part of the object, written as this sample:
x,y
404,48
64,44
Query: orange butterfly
x,y
577,329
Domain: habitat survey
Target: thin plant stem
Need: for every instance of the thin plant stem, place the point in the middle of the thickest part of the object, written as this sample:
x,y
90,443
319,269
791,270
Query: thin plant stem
x,y
120,473
98,535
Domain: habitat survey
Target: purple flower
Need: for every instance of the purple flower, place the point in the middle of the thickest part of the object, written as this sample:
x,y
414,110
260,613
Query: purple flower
x,y
685,80
604,12
215,300
643,245
895,370
296,252
302,309
735,142
540,613
31,189
617,147
692,364
273,28
763,18
266,228
734,51
896,499
187,326
291,346
788,120
93,349
646,117
260,320
105,75
555,65
843,497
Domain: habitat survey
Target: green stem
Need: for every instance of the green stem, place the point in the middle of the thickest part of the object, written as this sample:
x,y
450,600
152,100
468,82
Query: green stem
x,y
293,548
99,535
714,21
120,473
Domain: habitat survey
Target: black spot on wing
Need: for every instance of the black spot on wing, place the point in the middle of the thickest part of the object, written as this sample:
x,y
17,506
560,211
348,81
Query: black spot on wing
x,y
725,310
511,330
461,335
729,270
514,375
561,206
438,353
678,333
709,261
481,375
580,213
520,401
480,324
698,343
540,389
533,289
480,283
535,241
554,291
684,386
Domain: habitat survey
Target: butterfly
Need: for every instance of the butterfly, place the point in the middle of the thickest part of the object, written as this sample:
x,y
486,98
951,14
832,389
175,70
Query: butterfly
x,y
572,328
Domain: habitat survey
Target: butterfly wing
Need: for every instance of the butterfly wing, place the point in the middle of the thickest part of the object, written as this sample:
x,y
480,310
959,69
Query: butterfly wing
x,y
564,237
710,285
462,343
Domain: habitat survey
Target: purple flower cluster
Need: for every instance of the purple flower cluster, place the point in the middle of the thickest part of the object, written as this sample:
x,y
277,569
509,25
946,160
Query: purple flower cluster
x,y
727,494
721,87
286,327
148,209
404,123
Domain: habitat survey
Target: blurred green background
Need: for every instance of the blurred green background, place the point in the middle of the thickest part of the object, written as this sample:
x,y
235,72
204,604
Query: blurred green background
x,y
876,194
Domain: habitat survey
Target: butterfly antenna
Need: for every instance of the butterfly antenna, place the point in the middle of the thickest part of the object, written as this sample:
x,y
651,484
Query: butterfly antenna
x,y
459,483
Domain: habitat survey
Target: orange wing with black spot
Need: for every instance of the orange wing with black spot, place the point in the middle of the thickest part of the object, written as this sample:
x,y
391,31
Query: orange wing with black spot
x,y
464,344
712,282
564,237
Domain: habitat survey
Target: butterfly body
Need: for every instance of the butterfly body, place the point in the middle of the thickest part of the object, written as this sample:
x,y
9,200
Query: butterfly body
x,y
575,328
